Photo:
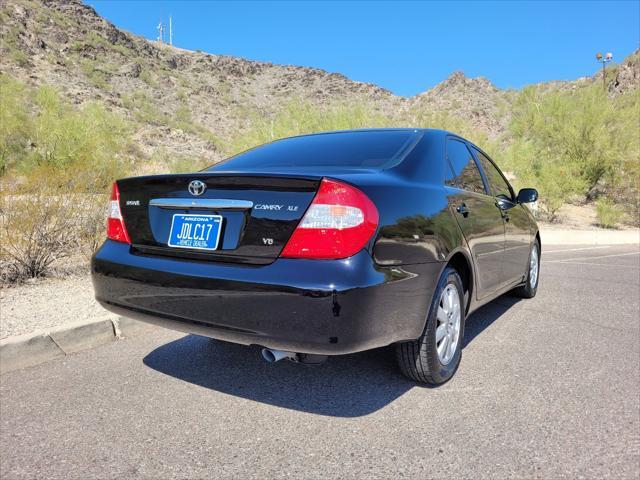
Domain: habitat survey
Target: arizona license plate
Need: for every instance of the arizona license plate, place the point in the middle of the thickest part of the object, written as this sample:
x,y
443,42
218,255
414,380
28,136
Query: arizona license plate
x,y
201,232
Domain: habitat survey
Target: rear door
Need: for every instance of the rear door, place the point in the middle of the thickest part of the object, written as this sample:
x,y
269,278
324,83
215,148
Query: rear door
x,y
517,234
477,215
252,216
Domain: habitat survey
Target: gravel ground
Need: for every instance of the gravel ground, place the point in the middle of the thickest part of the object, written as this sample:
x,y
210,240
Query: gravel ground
x,y
47,303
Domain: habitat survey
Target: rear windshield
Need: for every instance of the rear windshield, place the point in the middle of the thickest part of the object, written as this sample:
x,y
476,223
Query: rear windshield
x,y
372,149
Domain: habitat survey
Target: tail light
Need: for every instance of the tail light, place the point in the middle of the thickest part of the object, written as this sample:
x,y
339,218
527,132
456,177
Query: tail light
x,y
115,224
338,224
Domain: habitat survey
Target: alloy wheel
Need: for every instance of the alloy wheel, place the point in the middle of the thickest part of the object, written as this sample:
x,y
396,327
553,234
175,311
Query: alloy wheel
x,y
533,267
448,326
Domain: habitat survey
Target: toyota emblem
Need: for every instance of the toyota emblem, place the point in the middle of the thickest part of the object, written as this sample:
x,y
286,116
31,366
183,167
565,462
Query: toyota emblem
x,y
197,188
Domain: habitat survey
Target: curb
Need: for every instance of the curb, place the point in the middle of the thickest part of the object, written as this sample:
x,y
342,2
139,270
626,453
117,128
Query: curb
x,y
552,236
39,347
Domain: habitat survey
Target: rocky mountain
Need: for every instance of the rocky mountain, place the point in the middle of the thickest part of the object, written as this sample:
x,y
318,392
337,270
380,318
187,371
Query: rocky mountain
x,y
185,102
477,100
627,75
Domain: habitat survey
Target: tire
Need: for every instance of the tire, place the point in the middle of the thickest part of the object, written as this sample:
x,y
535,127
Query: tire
x,y
420,359
530,288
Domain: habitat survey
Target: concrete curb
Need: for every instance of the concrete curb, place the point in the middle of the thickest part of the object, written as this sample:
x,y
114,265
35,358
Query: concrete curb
x,y
39,347
552,236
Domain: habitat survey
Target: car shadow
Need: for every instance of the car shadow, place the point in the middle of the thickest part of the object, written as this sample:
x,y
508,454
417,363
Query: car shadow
x,y
344,386
482,318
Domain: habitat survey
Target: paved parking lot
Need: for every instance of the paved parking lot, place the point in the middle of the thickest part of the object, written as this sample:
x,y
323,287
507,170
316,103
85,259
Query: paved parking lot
x,y
547,388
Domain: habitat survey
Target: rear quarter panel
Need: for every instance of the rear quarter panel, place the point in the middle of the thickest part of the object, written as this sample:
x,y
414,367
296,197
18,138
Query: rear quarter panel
x,y
416,225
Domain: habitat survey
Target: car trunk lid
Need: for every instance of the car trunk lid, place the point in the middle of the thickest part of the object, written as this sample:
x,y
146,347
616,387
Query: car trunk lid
x,y
256,213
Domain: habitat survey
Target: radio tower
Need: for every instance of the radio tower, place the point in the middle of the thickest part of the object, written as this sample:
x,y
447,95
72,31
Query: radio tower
x,y
160,29
170,32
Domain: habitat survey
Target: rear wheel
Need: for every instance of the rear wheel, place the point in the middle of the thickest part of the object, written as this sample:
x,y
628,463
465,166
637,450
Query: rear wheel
x,y
529,289
434,357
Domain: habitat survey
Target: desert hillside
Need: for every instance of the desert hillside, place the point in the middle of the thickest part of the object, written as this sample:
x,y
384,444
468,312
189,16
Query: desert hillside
x,y
183,101
180,100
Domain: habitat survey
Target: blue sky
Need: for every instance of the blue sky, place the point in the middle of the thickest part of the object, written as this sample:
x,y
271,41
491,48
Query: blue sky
x,y
405,47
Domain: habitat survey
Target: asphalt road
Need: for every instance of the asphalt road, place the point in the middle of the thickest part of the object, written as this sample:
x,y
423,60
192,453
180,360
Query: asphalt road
x,y
547,388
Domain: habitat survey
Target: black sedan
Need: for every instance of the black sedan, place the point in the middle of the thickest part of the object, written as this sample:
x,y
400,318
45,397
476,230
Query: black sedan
x,y
324,244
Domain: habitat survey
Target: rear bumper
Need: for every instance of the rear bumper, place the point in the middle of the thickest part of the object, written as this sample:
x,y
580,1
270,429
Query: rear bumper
x,y
308,306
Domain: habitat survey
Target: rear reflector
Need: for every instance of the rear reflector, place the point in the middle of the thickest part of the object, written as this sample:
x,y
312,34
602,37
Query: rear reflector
x,y
115,224
338,224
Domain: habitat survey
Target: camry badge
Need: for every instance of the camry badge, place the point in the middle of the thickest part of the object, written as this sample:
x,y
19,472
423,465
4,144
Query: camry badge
x,y
197,188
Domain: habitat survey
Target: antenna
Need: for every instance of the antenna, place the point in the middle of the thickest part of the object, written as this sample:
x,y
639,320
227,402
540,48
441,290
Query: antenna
x,y
160,29
170,32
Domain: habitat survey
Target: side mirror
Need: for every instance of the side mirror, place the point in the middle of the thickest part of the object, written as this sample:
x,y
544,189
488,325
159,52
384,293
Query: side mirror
x,y
527,195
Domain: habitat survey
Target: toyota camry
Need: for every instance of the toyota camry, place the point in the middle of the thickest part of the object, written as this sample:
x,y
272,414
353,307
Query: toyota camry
x,y
324,244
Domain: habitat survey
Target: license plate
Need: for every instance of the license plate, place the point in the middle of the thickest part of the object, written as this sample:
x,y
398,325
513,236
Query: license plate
x,y
200,232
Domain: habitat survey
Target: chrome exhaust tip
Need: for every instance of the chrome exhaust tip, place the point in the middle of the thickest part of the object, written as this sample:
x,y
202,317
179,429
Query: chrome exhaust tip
x,y
272,356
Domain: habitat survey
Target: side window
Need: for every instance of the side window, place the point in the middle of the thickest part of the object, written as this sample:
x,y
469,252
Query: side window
x,y
465,173
497,183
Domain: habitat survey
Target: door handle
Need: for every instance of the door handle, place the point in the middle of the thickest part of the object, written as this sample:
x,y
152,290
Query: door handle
x,y
462,209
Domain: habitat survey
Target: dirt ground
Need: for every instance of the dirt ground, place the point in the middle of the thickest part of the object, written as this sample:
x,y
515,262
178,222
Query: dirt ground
x,y
579,217
47,303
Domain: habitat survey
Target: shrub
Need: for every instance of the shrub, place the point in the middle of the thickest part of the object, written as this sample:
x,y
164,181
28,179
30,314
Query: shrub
x,y
42,135
16,124
148,78
56,165
426,118
607,213
35,230
555,181
40,224
20,57
96,77
90,228
583,130
299,117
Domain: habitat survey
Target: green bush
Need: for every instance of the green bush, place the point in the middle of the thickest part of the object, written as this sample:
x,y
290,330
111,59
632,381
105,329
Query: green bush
x,y
12,46
575,142
15,122
584,130
143,109
301,117
556,182
148,78
442,120
607,213
75,148
96,77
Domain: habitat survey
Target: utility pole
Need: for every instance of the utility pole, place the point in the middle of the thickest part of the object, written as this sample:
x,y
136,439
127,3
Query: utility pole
x,y
604,60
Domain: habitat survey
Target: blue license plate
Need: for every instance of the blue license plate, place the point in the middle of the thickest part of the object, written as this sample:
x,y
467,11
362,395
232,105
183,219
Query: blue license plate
x,y
200,232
